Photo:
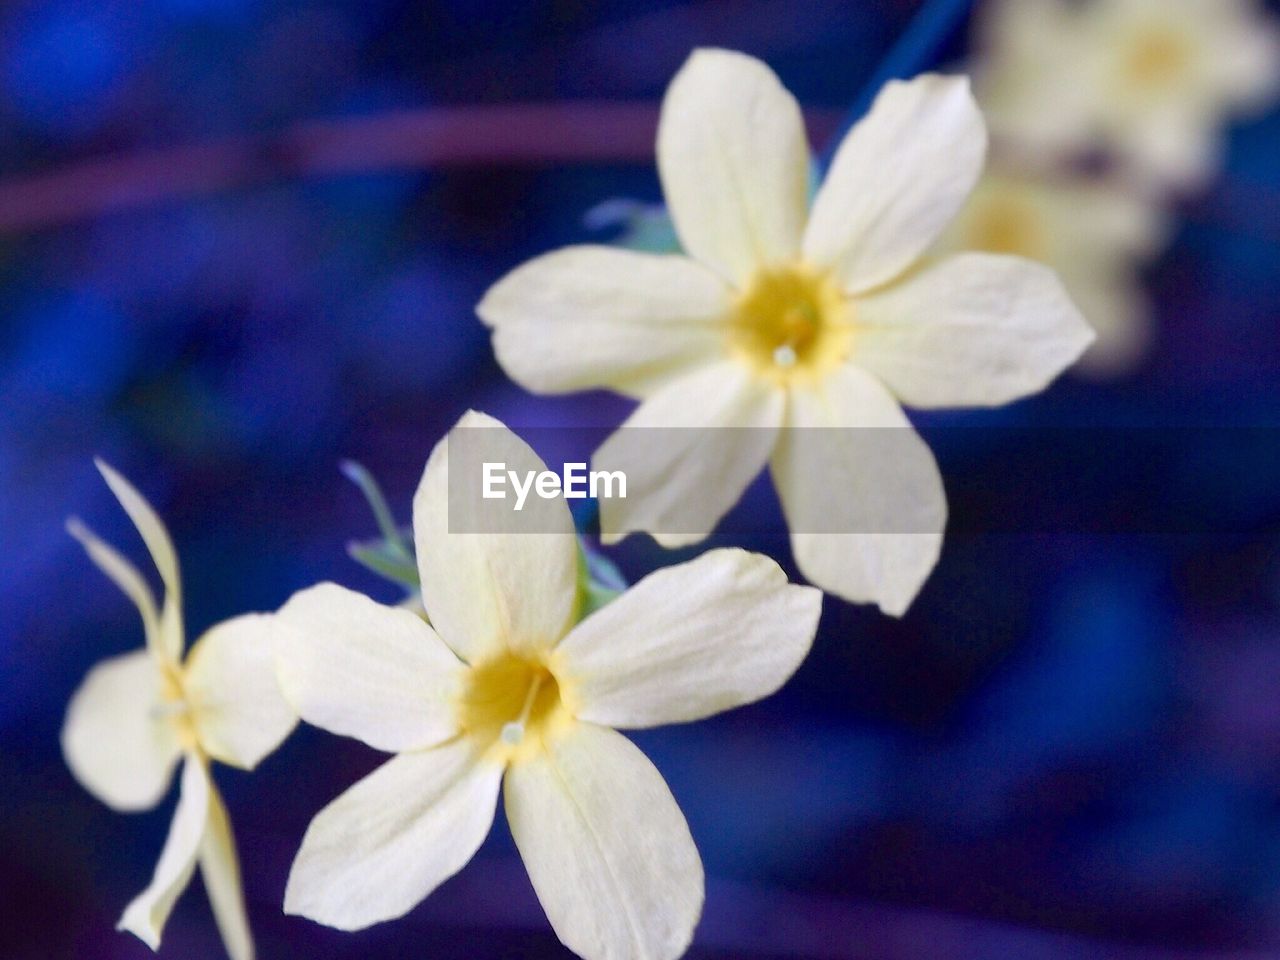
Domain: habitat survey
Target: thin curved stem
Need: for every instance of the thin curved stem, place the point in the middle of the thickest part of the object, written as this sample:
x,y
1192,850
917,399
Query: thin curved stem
x,y
529,134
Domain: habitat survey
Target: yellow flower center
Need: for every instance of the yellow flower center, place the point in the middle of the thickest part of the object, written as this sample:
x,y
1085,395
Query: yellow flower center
x,y
1007,225
512,703
791,323
1156,56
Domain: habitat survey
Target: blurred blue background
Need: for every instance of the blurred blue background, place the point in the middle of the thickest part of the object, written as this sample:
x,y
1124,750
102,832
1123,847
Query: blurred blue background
x,y
1070,747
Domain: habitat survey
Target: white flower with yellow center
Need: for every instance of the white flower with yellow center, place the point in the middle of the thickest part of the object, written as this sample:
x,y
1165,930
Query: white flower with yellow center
x,y
782,318
1149,80
506,687
1093,235
136,715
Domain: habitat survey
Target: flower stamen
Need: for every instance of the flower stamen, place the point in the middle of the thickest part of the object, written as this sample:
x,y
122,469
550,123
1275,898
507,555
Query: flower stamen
x,y
513,732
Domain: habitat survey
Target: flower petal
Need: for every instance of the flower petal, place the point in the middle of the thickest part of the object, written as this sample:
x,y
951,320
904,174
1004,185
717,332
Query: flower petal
x,y
513,586
850,463
157,539
220,870
379,849
586,317
897,180
975,330
112,739
146,915
361,669
239,713
734,163
606,847
690,641
125,576
688,453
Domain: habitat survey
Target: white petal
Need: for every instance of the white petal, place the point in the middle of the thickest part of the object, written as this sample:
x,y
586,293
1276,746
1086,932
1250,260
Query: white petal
x,y
606,847
688,453
689,641
361,669
586,317
125,576
850,463
734,163
239,713
513,586
146,915
220,870
113,739
977,329
379,849
898,179
157,539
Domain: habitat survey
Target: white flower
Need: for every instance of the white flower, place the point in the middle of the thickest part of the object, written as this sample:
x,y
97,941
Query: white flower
x,y
137,715
1093,235
782,317
1149,80
512,690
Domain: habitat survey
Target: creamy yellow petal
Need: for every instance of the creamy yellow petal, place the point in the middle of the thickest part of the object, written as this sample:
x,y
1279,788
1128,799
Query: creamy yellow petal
x,y
688,453
512,586
974,330
379,849
157,539
114,739
606,847
361,669
125,576
220,870
237,708
734,163
586,317
900,176
861,492
689,641
145,917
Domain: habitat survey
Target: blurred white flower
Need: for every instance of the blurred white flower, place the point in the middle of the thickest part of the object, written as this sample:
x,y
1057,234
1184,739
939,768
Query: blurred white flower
x,y
1094,236
1149,80
506,687
783,317
137,715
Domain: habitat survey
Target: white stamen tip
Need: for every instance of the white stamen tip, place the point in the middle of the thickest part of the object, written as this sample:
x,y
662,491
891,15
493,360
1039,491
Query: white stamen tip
x,y
785,356
512,733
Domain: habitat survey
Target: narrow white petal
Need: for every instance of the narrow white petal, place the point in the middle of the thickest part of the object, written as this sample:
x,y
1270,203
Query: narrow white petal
x,y
850,463
586,317
220,870
145,917
975,330
379,849
688,453
606,847
113,739
512,586
125,576
897,180
239,713
734,163
689,641
157,539
361,669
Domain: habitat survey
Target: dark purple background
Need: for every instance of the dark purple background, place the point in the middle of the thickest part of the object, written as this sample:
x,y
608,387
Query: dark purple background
x,y
1069,748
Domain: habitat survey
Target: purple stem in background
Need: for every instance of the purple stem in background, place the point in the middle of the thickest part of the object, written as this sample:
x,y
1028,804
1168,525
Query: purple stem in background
x,y
530,134
915,50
